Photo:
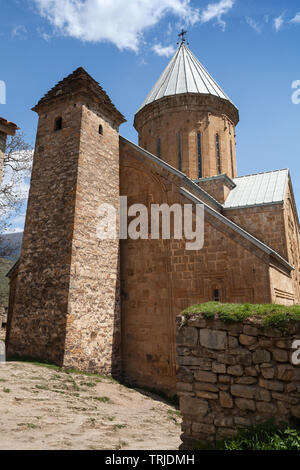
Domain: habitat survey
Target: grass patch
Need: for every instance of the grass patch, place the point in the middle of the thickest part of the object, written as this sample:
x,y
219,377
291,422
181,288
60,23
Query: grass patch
x,y
174,415
102,399
119,426
42,387
28,425
267,436
6,390
272,316
88,384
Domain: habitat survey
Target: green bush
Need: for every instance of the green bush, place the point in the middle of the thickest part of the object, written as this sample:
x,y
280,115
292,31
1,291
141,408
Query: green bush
x,y
268,436
272,315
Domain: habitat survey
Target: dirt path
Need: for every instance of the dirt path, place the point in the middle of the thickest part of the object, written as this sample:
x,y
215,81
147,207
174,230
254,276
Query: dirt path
x,y
43,408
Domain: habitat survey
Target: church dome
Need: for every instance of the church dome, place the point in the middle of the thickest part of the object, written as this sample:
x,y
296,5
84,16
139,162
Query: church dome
x,y
184,74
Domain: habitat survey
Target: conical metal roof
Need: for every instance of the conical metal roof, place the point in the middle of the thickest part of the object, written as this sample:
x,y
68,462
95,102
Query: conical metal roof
x,y
184,74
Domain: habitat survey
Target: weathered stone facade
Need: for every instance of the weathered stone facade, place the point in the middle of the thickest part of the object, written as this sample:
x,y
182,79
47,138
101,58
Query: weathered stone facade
x,y
58,312
184,117
108,307
234,375
160,278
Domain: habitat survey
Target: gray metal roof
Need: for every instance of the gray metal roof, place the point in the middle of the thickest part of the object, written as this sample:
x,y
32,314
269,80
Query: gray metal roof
x,y
184,74
257,190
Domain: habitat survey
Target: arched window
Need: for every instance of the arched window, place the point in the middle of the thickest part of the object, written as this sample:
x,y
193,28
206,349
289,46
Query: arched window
x,y
216,295
100,130
218,154
199,155
158,147
58,124
179,152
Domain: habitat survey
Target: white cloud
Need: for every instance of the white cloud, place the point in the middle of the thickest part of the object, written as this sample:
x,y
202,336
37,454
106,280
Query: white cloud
x,y
19,31
215,11
43,34
121,22
166,51
296,18
278,22
254,25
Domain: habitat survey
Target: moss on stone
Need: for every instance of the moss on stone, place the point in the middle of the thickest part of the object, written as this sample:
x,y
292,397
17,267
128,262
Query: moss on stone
x,y
269,315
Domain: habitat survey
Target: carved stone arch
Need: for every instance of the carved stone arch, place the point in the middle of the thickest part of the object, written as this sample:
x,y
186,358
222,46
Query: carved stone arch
x,y
130,165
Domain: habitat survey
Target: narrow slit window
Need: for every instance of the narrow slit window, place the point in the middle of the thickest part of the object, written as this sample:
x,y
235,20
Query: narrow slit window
x,y
200,173
216,295
100,130
58,124
231,156
158,147
179,152
218,154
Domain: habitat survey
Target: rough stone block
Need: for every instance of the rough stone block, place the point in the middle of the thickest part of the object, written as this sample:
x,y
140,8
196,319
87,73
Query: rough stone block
x,y
245,405
207,387
268,372
260,356
224,422
280,355
207,395
226,400
250,330
202,376
268,408
218,368
235,370
271,385
213,339
187,336
243,391
184,375
193,406
246,340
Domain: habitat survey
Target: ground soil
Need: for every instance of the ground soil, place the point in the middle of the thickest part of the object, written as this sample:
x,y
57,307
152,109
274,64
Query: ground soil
x,y
44,408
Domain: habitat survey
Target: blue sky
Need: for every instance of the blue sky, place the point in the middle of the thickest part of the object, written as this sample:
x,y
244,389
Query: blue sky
x,y
250,47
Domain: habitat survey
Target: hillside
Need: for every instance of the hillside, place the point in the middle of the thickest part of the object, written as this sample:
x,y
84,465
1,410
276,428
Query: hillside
x,y
45,408
5,266
10,245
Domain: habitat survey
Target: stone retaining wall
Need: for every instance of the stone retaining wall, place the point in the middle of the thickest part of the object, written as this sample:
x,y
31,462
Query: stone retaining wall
x,y
234,375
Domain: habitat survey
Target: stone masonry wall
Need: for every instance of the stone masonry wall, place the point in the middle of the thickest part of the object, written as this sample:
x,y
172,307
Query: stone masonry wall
x,y
65,305
234,375
188,115
159,278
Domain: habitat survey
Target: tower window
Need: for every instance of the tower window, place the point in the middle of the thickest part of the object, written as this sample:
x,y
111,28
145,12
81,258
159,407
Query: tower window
x,y
216,295
231,156
158,147
58,124
218,154
100,130
179,152
199,155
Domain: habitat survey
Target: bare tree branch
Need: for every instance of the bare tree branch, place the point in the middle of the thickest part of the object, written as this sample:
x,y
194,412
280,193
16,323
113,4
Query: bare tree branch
x,y
17,166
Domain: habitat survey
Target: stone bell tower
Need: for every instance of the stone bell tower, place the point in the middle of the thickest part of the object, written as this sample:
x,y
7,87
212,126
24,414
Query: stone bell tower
x,y
66,307
188,120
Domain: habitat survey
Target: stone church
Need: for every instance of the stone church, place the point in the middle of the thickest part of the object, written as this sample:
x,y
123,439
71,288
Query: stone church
x,y
109,306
